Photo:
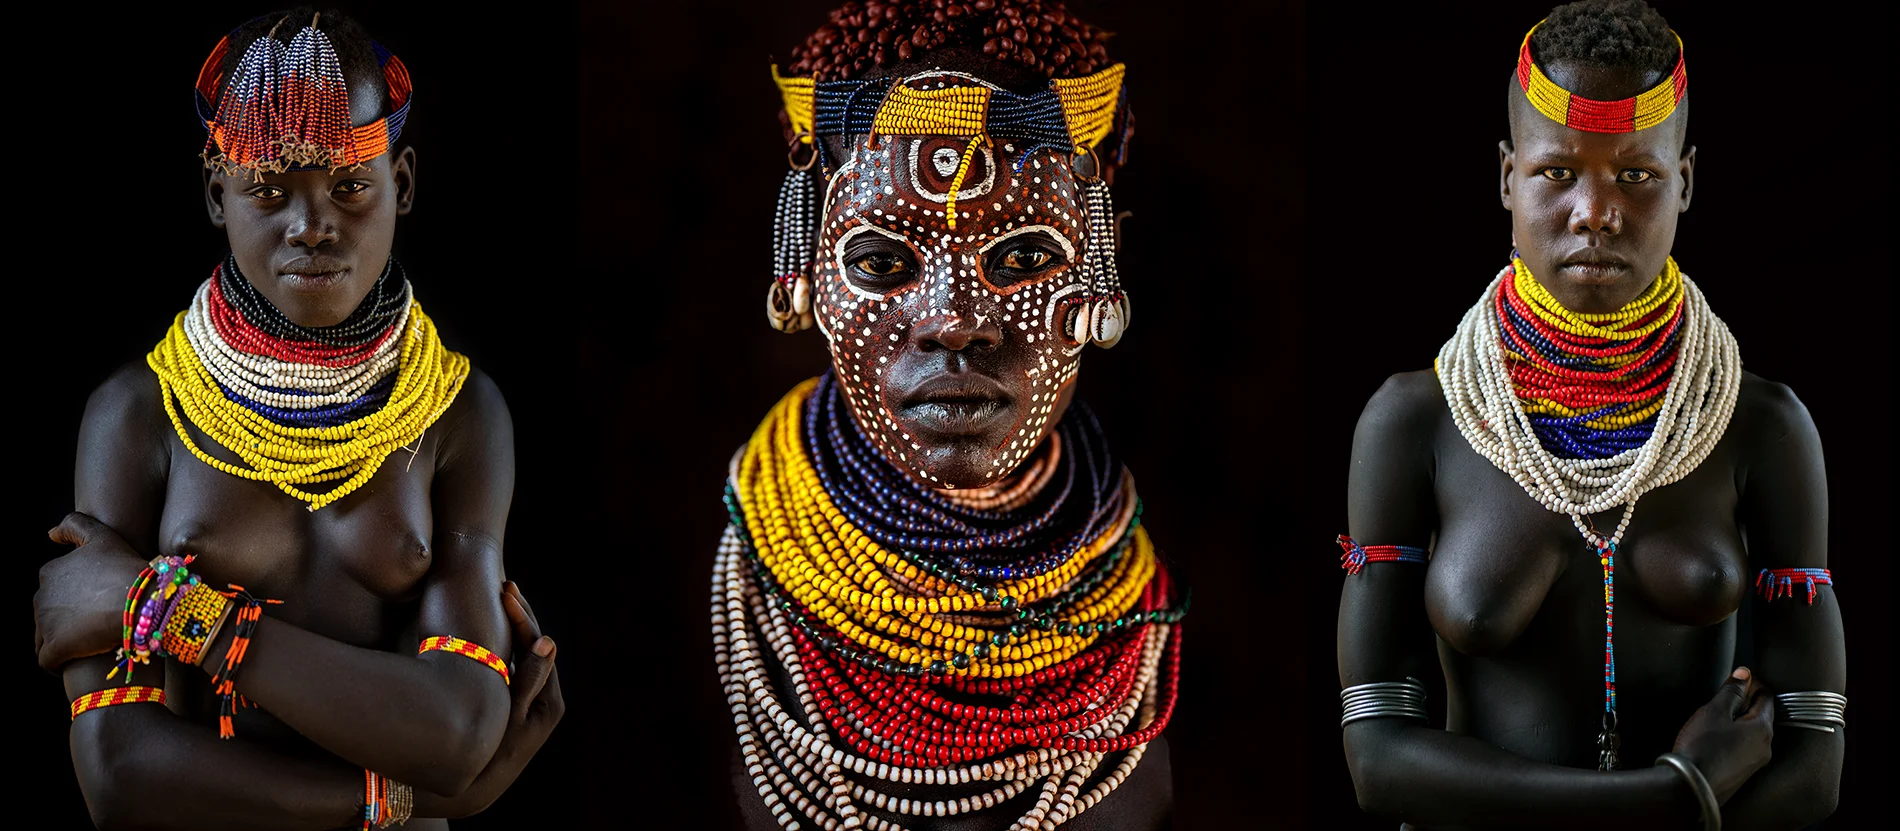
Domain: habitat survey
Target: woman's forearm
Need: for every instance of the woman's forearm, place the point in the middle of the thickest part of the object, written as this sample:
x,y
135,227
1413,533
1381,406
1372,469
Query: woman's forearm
x,y
430,721
141,766
1444,780
1798,788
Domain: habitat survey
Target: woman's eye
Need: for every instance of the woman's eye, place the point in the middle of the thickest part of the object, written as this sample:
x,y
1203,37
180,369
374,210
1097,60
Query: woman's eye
x,y
1558,174
881,265
1027,259
1634,176
352,187
266,192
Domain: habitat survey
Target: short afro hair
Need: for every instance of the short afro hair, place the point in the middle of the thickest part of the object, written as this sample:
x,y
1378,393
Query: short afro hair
x,y
1616,34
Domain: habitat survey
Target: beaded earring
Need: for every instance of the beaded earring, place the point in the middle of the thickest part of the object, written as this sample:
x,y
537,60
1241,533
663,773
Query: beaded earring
x,y
794,233
1105,318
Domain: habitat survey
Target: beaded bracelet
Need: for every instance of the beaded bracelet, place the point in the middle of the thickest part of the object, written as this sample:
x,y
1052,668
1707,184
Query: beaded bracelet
x,y
467,649
116,696
224,682
194,622
386,802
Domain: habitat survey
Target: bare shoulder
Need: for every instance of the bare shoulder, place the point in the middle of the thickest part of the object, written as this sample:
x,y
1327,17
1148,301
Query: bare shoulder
x,y
124,413
478,422
1770,412
1407,404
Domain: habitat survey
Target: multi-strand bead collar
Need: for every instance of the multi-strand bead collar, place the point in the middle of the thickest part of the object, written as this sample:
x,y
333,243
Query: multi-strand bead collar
x,y
1588,412
300,405
1016,635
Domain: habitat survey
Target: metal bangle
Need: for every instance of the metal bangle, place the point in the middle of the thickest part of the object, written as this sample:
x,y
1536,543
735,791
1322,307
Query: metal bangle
x,y
1382,699
1704,795
402,803
1817,710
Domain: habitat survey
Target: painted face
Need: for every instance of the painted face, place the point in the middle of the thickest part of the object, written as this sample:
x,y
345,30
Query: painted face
x,y
1594,214
954,345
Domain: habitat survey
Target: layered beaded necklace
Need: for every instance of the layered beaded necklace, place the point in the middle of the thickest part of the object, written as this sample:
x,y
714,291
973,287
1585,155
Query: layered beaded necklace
x,y
304,405
1588,412
1014,635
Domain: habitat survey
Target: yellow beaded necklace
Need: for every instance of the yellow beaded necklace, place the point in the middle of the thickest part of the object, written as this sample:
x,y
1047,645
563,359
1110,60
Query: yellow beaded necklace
x,y
428,378
885,603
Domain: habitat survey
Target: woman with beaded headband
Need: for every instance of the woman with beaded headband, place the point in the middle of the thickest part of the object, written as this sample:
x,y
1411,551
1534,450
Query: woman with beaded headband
x,y
935,604
1587,633
305,493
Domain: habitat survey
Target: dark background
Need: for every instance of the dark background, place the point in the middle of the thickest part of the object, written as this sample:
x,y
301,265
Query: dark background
x,y
1787,234
595,190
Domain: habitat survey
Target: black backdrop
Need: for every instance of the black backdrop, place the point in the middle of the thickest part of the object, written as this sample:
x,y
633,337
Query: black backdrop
x,y
595,189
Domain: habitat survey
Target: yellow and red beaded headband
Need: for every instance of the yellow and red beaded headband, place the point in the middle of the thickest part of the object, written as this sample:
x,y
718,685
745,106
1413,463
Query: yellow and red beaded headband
x,y
1579,113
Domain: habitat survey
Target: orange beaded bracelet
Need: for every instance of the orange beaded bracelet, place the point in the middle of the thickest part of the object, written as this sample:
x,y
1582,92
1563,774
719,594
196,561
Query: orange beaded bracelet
x,y
467,649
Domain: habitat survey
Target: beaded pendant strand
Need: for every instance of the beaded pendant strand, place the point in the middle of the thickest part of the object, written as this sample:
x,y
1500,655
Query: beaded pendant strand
x,y
1587,412
1016,635
302,406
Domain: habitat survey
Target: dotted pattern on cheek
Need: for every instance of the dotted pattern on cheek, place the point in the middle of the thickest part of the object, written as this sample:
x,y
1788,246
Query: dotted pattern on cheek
x,y
896,189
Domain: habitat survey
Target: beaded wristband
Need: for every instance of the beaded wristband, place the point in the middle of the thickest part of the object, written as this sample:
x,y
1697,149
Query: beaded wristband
x,y
194,622
1704,795
116,696
1356,556
467,649
1779,582
224,682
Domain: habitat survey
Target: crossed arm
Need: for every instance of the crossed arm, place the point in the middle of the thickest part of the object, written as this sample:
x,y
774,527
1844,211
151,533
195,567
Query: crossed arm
x,y
435,721
1439,779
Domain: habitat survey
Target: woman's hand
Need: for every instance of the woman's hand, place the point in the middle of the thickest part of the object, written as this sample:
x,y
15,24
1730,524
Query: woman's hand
x,y
1730,737
79,608
535,707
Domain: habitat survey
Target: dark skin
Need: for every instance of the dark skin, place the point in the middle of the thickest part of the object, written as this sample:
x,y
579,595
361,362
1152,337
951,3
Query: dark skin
x,y
941,379
334,670
1514,597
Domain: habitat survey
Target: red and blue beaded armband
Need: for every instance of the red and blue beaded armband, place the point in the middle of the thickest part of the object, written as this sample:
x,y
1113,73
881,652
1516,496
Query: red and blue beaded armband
x,y
1780,582
467,649
1356,556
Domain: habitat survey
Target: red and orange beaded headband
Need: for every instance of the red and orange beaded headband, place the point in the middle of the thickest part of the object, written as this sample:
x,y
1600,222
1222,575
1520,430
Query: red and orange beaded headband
x,y
1579,113
288,107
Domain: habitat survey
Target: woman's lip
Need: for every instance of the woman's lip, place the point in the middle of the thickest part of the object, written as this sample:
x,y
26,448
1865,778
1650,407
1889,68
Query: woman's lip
x,y
1594,272
955,417
314,281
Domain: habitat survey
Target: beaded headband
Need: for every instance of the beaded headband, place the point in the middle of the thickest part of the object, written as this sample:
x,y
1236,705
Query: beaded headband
x,y
1073,113
288,107
1579,113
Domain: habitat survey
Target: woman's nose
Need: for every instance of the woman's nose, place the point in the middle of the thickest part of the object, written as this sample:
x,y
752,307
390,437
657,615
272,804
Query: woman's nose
x,y
310,227
1598,209
957,330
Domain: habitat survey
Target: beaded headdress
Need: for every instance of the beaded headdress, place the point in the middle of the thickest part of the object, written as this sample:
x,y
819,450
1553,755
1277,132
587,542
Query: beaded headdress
x,y
1627,115
287,107
1074,115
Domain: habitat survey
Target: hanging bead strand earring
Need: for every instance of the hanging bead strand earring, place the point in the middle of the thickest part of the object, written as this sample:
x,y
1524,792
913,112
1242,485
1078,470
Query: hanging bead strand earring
x,y
788,306
1107,314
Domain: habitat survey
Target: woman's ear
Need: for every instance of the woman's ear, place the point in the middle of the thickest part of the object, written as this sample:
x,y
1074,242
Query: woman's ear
x,y
403,170
214,197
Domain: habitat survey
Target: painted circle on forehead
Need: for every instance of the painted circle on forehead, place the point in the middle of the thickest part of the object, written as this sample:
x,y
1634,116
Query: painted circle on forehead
x,y
932,180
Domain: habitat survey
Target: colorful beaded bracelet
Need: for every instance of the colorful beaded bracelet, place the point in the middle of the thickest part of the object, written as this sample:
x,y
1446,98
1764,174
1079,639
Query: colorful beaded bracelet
x,y
467,649
116,696
1355,556
1779,582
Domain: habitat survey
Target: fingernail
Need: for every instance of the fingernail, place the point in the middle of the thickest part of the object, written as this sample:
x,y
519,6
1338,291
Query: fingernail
x,y
544,646
1740,674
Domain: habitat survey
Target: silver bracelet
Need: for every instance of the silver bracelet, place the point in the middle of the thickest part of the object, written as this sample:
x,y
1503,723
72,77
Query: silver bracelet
x,y
402,803
1704,795
1382,699
1812,710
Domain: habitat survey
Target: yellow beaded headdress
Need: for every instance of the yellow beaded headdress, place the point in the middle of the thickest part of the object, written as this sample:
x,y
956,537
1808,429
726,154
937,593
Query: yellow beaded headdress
x,y
1579,113
1072,115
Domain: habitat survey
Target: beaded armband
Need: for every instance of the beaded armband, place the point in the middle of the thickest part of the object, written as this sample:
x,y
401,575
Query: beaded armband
x,y
1780,582
467,649
116,696
1355,556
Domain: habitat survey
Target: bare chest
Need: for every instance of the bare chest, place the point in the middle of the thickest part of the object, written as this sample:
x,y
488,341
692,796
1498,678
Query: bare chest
x,y
1501,559
345,571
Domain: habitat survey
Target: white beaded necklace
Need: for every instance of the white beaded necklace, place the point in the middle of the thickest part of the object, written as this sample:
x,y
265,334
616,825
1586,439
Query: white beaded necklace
x,y
799,773
1695,411
259,377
